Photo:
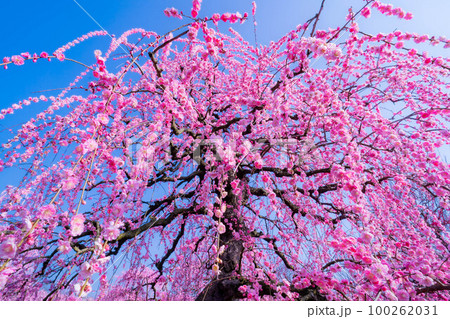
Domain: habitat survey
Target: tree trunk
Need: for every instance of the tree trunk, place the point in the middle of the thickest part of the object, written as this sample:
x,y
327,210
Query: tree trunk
x,y
225,286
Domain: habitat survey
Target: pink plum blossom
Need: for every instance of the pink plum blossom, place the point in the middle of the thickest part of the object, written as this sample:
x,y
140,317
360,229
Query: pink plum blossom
x,y
47,211
82,289
112,230
77,225
8,248
221,228
69,183
64,247
86,270
4,276
90,145
366,12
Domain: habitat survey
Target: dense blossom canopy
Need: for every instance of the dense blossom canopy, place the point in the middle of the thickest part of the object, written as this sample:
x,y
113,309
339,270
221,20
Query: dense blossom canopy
x,y
207,168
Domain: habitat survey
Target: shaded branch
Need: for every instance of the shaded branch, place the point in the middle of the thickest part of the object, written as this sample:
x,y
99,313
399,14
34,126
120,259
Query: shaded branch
x,y
433,288
160,264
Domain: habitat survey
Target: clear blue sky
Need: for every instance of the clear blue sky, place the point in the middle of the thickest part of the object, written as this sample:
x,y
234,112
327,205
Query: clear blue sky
x,y
44,25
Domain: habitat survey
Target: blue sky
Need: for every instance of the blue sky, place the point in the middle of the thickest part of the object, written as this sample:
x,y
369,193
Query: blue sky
x,y
35,26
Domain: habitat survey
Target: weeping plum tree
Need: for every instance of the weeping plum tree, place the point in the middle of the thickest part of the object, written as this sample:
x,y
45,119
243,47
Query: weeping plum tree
x,y
206,168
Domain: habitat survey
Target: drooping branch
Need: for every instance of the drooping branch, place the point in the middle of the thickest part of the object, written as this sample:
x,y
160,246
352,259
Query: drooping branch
x,y
152,223
159,265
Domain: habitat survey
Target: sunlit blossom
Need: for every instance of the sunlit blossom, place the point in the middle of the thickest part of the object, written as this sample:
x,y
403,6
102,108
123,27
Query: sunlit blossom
x,y
8,248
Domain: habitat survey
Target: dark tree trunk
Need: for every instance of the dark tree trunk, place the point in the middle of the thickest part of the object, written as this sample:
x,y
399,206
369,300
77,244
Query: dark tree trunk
x,y
225,286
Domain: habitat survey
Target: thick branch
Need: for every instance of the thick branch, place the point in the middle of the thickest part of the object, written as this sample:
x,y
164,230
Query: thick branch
x,y
160,264
434,288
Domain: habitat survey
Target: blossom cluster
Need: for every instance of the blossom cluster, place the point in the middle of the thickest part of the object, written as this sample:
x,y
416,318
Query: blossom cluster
x,y
388,9
229,17
318,46
20,59
196,5
172,12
